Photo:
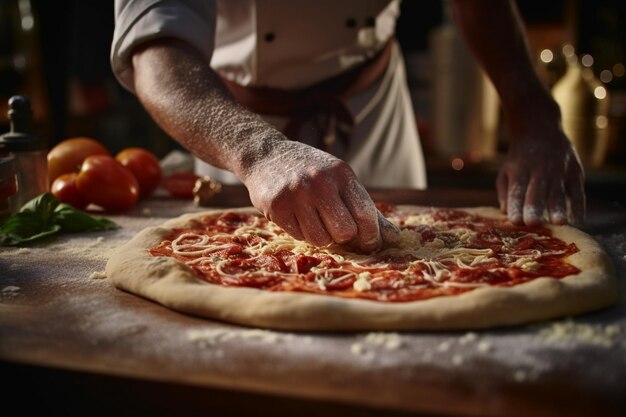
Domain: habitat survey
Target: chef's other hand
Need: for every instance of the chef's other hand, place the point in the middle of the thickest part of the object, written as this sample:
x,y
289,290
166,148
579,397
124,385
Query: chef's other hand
x,y
313,196
542,172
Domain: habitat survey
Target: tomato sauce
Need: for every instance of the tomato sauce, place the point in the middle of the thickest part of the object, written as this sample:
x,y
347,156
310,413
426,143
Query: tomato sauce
x,y
237,255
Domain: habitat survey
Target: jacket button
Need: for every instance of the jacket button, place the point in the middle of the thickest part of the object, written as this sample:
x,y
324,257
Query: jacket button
x,y
351,22
269,37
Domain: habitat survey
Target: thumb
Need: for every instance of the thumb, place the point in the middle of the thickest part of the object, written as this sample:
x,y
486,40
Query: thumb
x,y
389,231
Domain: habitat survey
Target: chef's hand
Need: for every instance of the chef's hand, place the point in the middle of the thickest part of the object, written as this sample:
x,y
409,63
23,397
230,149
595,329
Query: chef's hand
x,y
316,197
542,172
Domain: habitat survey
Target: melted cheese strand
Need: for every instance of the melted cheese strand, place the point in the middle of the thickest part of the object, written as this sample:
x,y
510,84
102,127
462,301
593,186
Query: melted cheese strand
x,y
201,246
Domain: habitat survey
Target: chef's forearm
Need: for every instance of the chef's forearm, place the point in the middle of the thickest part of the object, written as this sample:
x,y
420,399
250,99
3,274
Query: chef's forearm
x,y
494,32
189,101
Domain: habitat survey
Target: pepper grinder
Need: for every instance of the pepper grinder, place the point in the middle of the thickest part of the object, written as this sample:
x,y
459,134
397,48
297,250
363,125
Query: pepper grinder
x,y
28,150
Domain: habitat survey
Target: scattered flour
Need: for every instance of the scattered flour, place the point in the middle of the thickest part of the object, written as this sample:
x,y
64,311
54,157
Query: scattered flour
x,y
468,338
520,375
98,275
211,337
10,291
570,331
457,360
389,341
358,348
96,249
373,342
483,346
443,347
15,252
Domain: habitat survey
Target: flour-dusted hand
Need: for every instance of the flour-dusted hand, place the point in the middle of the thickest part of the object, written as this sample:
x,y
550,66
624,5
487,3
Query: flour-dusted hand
x,y
314,197
309,193
542,172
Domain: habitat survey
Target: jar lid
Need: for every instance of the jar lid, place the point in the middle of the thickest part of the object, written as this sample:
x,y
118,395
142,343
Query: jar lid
x,y
20,142
20,138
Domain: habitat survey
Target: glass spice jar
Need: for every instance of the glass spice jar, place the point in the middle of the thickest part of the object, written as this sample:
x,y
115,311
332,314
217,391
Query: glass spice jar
x,y
28,151
8,185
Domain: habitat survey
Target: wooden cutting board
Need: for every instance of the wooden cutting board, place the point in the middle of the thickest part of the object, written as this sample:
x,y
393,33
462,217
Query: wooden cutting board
x,y
57,310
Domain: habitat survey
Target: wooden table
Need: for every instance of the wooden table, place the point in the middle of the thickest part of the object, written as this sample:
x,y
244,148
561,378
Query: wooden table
x,y
70,342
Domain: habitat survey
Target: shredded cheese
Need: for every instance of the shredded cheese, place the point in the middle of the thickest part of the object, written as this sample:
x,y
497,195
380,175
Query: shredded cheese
x,y
362,283
431,267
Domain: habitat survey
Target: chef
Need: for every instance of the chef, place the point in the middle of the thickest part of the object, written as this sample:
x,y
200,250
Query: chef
x,y
305,102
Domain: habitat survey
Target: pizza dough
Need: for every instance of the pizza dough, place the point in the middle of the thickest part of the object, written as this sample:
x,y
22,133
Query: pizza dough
x,y
175,285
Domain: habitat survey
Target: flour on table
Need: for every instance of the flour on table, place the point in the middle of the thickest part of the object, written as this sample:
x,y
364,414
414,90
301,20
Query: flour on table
x,y
483,346
376,342
443,347
98,275
96,249
10,291
210,337
569,331
468,338
15,252
520,375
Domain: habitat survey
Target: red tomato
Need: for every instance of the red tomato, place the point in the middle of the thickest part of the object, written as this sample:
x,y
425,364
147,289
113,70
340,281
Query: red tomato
x,y
144,165
180,184
64,188
68,155
105,182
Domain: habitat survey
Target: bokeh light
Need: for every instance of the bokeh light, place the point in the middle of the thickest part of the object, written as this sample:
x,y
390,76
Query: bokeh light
x,y
568,50
546,56
606,76
602,122
457,164
587,60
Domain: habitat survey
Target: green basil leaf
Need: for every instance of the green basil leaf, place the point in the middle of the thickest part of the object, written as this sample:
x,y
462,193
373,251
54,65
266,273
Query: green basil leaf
x,y
44,205
73,220
45,215
25,227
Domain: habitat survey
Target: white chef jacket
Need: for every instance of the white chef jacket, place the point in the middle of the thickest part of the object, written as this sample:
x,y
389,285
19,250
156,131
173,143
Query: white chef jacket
x,y
292,44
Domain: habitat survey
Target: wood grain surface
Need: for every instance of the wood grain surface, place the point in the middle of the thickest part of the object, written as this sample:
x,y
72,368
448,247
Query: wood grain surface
x,y
71,342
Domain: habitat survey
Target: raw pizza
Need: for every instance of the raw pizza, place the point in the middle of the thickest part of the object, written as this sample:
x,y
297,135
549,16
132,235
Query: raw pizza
x,y
451,269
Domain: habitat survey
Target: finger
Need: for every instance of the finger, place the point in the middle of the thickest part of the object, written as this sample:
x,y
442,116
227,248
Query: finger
x,y
292,226
284,217
556,204
575,189
388,231
501,189
312,228
515,199
365,215
535,201
337,219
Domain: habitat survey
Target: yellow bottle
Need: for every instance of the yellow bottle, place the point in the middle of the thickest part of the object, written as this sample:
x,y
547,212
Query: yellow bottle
x,y
584,103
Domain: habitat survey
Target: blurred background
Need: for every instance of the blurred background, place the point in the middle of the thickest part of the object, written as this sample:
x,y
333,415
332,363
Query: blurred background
x,y
57,53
